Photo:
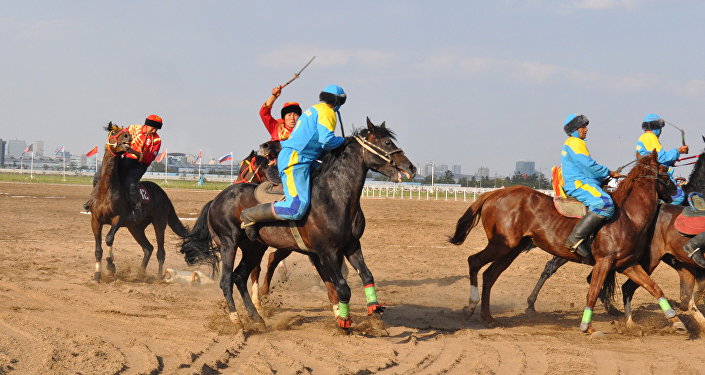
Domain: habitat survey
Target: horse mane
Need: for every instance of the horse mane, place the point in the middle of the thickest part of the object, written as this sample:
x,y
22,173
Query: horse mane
x,y
329,158
626,185
696,180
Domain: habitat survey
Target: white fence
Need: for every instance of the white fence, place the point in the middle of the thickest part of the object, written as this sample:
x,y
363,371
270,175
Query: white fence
x,y
427,192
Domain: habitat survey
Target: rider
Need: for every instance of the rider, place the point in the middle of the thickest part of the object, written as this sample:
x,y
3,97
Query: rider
x,y
142,151
279,129
649,141
583,176
313,134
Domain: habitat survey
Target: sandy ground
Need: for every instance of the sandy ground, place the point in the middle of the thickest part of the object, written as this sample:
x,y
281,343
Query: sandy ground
x,y
53,319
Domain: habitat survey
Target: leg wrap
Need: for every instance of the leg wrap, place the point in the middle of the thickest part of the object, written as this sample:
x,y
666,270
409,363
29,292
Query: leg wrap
x,y
344,320
587,319
666,307
372,304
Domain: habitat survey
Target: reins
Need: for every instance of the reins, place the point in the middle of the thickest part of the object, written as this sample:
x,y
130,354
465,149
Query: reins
x,y
114,139
255,172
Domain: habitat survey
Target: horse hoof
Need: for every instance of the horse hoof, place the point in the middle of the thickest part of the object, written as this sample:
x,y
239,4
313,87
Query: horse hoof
x,y
598,335
530,311
110,267
468,311
679,327
96,277
491,323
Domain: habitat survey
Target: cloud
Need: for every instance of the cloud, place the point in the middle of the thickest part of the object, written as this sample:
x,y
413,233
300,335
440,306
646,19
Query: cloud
x,y
328,57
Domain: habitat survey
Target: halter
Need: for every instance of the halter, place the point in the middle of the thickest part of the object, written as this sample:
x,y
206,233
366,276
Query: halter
x,y
373,148
656,175
114,139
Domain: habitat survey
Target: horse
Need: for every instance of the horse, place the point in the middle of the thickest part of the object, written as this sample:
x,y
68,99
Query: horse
x,y
665,244
110,206
326,233
517,218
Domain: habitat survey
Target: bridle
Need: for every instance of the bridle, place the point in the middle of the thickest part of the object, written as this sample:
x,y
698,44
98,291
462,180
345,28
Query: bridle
x,y
255,171
113,140
373,148
656,175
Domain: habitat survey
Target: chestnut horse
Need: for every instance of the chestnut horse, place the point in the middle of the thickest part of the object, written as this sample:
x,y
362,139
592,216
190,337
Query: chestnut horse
x,y
110,207
326,233
518,217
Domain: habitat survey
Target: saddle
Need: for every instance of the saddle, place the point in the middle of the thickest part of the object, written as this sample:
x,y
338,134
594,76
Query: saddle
x,y
268,192
569,207
692,220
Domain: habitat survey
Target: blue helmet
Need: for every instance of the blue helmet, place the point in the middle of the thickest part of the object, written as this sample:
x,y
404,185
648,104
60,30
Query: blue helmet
x,y
333,95
574,121
652,122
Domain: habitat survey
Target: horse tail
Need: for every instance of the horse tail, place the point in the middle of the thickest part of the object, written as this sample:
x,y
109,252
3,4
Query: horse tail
x,y
175,224
470,219
609,287
197,245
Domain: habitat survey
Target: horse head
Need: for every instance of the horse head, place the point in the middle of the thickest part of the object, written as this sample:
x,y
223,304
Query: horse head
x,y
119,139
380,154
649,167
253,168
270,149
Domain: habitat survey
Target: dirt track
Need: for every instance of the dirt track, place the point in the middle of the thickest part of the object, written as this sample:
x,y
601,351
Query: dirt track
x,y
54,320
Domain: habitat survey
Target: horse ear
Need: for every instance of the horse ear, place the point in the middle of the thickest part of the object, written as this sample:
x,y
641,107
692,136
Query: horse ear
x,y
384,124
703,137
252,153
370,125
655,155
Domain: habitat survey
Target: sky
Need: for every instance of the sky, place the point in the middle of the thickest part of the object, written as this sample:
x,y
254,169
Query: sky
x,y
475,83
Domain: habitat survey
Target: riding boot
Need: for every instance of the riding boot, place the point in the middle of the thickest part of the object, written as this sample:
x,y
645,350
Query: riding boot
x,y
577,241
694,249
88,204
257,214
136,201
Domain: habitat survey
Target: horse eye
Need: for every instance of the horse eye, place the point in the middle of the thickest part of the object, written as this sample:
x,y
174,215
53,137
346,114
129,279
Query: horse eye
x,y
387,142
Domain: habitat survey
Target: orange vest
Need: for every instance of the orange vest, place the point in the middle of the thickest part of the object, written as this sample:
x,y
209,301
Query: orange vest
x,y
147,144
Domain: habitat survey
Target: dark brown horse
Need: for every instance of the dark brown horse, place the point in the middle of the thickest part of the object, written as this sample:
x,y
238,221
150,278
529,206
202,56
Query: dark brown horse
x,y
518,217
327,232
110,207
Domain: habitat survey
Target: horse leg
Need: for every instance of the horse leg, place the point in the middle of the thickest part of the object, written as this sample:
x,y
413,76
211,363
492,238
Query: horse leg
x,y
109,239
688,280
159,230
330,261
475,264
137,232
97,228
274,259
551,267
251,256
629,287
639,276
488,279
357,260
227,260
254,278
599,274
330,288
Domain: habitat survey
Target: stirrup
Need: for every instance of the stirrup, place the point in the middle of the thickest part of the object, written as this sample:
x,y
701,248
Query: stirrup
x,y
244,225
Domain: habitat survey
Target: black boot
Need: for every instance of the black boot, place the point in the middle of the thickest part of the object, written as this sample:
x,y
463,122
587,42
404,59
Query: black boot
x,y
694,249
136,201
577,241
257,214
87,205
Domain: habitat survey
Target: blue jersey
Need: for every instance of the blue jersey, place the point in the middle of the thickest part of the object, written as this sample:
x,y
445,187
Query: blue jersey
x,y
314,132
578,166
649,142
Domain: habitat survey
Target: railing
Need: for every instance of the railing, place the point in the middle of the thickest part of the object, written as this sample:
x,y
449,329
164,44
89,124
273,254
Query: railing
x,y
427,192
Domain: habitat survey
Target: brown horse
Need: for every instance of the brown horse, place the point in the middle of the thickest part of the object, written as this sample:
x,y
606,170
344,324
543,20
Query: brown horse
x,y
110,207
518,217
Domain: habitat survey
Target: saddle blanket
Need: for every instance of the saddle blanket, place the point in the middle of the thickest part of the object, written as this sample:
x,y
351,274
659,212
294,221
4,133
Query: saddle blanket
x,y
268,192
569,207
144,194
690,222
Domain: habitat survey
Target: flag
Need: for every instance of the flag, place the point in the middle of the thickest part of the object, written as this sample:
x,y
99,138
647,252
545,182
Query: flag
x,y
226,157
92,152
198,158
28,149
59,150
161,157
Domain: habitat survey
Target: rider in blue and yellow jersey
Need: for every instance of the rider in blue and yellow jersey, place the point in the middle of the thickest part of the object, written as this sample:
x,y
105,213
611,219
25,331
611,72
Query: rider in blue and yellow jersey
x,y
649,141
313,134
583,177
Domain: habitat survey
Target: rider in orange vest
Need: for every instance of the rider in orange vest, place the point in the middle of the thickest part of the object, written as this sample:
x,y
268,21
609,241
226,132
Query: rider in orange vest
x,y
279,129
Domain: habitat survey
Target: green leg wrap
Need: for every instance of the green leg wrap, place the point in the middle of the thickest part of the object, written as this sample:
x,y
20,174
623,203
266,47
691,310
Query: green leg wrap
x,y
666,307
587,318
343,310
371,294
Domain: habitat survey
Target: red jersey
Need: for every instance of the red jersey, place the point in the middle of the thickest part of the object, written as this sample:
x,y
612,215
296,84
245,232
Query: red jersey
x,y
276,128
147,144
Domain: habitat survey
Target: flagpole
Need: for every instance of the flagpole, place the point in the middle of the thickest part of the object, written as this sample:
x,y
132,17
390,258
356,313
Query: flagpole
x,y
31,167
166,164
200,161
96,162
231,166
63,157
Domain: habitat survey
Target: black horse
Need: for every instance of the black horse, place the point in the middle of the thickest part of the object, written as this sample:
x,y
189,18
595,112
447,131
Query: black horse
x,y
326,233
109,206
688,273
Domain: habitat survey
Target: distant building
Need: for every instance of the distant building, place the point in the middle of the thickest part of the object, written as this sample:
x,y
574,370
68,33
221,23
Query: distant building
x,y
427,169
441,168
525,168
2,152
15,148
482,172
38,148
456,170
